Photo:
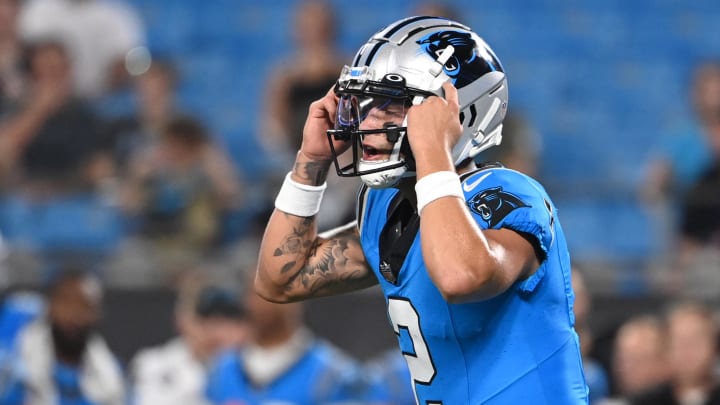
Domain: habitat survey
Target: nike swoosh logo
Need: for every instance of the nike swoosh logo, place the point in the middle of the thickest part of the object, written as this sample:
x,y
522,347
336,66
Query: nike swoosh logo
x,y
468,187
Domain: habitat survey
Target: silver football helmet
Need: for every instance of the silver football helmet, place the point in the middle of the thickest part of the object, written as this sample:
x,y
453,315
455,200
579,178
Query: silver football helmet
x,y
400,66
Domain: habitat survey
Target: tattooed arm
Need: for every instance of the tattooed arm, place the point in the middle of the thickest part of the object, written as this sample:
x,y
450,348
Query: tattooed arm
x,y
295,263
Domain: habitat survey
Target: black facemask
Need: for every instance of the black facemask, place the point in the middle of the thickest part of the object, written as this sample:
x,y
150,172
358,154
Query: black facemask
x,y
71,344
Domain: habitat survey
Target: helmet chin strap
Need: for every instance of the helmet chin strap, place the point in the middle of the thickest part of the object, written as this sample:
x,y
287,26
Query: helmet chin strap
x,y
385,178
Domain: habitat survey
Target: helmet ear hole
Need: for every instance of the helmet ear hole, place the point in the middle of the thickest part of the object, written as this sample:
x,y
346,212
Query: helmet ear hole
x,y
473,114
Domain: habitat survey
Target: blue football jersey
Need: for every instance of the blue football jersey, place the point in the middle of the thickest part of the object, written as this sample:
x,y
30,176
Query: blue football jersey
x,y
321,376
519,347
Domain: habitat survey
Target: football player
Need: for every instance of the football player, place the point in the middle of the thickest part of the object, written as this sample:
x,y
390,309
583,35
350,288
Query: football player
x,y
471,258
282,363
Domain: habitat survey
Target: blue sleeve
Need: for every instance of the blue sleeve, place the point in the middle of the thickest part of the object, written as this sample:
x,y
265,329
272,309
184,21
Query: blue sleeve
x,y
503,198
12,391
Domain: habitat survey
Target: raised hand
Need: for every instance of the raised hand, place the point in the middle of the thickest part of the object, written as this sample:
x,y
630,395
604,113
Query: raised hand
x,y
433,130
321,117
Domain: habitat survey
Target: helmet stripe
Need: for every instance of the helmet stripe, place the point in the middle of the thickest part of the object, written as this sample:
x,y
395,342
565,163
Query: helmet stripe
x,y
401,24
372,53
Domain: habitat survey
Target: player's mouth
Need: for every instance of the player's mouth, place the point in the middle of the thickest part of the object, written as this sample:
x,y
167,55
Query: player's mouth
x,y
374,153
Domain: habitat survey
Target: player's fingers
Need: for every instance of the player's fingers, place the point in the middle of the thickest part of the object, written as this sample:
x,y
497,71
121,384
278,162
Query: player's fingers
x,y
331,94
329,103
325,107
451,94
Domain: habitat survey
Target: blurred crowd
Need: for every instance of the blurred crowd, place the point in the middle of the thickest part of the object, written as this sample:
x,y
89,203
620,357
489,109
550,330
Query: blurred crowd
x,y
231,346
93,196
139,191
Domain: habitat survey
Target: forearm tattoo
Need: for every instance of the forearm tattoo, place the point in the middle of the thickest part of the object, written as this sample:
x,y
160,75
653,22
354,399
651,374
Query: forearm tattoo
x,y
328,269
316,172
295,244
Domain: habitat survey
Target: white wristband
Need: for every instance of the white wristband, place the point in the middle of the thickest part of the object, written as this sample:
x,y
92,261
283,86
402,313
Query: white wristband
x,y
437,185
299,199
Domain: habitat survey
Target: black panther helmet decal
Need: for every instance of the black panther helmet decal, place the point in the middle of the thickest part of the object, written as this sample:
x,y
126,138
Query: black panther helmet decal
x,y
494,204
465,65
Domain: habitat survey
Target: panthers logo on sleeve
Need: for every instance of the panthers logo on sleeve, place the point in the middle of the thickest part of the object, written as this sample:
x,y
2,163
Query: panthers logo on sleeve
x,y
465,65
494,204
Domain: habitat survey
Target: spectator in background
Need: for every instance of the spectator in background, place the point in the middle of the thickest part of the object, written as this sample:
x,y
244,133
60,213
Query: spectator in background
x,y
684,156
180,188
53,161
210,320
695,268
65,359
156,101
680,160
53,136
11,77
639,359
282,362
98,34
700,219
595,375
303,78
692,356
696,273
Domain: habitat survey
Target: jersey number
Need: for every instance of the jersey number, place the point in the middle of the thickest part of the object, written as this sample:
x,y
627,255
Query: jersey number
x,y
404,316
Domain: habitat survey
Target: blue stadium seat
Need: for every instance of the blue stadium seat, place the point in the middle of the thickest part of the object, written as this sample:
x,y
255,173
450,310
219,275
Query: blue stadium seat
x,y
76,223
